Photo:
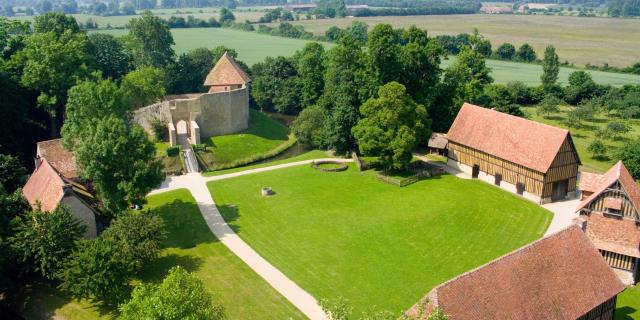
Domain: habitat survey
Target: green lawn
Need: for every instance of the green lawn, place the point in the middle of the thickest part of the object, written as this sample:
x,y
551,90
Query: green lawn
x,y
348,235
263,136
584,136
247,42
628,304
171,165
313,154
191,245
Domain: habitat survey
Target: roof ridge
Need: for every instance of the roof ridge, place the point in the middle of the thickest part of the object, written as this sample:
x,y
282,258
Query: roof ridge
x,y
519,118
506,255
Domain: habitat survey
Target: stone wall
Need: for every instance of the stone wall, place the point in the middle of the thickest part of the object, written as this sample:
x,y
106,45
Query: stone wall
x,y
216,113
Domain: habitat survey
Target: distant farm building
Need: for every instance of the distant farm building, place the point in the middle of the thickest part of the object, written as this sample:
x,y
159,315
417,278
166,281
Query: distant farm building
x,y
438,143
537,161
495,9
55,182
609,216
300,7
224,109
562,276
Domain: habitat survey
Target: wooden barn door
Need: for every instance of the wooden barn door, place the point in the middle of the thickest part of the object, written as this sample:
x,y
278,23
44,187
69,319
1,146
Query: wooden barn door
x,y
475,171
559,190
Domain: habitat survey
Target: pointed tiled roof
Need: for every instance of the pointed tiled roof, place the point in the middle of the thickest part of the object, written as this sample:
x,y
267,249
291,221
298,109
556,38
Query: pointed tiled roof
x,y
616,173
528,143
60,158
44,187
562,276
226,72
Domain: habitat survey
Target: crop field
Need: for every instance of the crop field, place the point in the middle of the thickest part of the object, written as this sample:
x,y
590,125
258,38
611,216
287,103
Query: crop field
x,y
578,40
253,47
200,13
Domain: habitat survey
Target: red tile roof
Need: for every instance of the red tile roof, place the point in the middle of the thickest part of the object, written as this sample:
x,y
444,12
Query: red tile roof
x,y
590,181
226,72
614,234
44,187
562,276
518,140
60,158
616,173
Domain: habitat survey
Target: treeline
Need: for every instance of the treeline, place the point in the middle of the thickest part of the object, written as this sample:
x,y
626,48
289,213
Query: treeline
x,y
399,3
430,8
624,8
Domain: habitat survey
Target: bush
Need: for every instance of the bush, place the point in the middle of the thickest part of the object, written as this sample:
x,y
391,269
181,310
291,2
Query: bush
x,y
173,151
200,147
159,128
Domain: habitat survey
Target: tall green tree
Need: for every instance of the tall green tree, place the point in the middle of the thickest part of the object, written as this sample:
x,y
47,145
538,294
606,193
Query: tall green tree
x,y
526,53
310,127
348,83
150,40
96,270
420,58
43,240
188,73
550,68
53,65
392,125
55,22
464,81
358,30
310,67
14,115
12,173
384,52
120,160
275,85
226,17
143,86
480,44
630,155
88,102
505,51
109,55
550,104
181,295
581,87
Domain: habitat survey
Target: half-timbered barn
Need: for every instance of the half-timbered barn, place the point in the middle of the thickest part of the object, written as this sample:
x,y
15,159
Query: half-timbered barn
x,y
609,216
560,277
535,160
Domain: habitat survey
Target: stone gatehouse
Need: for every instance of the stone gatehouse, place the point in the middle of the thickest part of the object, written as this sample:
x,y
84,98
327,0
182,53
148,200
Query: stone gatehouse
x,y
224,109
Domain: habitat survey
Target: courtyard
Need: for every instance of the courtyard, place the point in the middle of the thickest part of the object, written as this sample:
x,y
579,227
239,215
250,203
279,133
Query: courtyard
x,y
348,235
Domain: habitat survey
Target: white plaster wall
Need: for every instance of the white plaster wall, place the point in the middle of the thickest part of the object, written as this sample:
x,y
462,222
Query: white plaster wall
x,y
82,213
483,176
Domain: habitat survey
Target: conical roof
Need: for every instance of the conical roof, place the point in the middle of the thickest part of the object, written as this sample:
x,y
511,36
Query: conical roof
x,y
226,72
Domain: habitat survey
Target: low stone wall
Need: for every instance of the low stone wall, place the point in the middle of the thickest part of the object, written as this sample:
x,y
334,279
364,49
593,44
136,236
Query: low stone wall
x,y
216,113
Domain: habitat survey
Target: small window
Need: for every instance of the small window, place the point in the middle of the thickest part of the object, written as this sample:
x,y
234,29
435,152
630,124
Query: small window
x,y
613,212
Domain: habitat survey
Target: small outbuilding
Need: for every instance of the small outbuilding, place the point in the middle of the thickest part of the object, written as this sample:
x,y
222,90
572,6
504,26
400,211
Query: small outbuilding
x,y
562,276
438,144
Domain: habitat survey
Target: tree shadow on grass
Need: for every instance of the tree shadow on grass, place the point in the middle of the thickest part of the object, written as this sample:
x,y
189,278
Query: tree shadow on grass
x,y
185,225
601,158
625,313
159,268
41,299
230,213
554,118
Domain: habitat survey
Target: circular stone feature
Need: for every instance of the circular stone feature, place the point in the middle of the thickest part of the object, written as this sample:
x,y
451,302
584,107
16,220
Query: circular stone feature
x,y
329,165
267,191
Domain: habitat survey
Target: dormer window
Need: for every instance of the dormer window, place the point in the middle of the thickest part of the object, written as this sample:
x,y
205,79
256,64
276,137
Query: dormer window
x,y
613,206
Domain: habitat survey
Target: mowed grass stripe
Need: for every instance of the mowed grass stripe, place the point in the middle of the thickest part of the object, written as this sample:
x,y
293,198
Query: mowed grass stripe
x,y
348,235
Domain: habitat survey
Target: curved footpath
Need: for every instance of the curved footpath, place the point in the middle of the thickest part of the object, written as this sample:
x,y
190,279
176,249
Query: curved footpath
x,y
197,185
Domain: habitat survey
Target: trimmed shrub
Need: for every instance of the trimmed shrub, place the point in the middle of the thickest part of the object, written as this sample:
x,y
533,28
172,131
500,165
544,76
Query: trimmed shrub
x,y
173,151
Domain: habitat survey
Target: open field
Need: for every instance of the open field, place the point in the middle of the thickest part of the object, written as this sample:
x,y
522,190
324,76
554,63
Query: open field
x,y
583,136
122,21
263,136
252,47
247,42
578,40
191,245
349,235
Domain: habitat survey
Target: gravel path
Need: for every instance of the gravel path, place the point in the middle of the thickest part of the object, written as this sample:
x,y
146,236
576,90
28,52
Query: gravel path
x,y
197,185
